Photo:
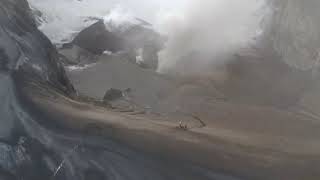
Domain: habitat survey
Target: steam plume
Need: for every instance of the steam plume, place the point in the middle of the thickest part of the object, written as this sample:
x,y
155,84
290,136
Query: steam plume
x,y
207,32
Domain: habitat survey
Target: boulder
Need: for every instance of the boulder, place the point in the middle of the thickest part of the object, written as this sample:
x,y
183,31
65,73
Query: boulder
x,y
112,94
97,39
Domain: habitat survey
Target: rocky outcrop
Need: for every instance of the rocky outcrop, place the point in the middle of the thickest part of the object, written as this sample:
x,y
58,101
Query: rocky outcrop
x,y
25,51
142,43
112,94
97,39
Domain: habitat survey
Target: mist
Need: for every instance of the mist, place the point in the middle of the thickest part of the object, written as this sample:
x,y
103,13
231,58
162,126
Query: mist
x,y
208,32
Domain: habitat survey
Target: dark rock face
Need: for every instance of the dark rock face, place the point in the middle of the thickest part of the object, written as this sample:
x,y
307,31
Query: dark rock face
x,y
3,60
26,49
26,57
96,39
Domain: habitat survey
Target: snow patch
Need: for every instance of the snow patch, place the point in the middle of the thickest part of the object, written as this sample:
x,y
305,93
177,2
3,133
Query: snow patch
x,y
119,20
80,68
37,67
107,53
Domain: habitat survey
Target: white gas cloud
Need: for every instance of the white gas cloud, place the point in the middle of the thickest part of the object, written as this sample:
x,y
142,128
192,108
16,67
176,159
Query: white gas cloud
x,y
208,31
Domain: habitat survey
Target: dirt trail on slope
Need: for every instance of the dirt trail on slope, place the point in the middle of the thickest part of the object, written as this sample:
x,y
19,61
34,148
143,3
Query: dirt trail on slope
x,y
225,144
